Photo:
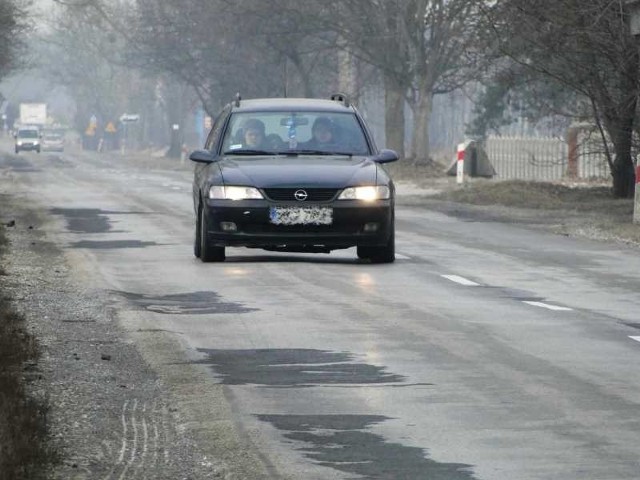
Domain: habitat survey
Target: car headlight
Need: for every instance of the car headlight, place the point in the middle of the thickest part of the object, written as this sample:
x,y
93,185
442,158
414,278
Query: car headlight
x,y
218,192
19,143
36,142
366,194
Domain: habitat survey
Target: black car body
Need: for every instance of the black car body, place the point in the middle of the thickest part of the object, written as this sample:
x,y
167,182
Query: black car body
x,y
291,193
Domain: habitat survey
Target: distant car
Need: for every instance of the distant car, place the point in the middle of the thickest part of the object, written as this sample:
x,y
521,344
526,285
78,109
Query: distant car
x,y
269,178
52,142
27,139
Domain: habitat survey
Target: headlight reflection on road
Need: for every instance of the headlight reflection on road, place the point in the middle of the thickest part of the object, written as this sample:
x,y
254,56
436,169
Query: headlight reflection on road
x,y
365,281
236,272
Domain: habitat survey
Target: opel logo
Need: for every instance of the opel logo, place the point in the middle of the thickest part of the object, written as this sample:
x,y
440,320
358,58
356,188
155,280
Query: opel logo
x,y
301,195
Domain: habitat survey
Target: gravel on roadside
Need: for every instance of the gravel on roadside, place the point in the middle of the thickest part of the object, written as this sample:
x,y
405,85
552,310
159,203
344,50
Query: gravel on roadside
x,y
109,415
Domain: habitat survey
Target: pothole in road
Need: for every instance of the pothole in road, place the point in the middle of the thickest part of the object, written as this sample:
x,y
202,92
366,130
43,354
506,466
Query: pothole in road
x,y
193,303
294,368
18,164
88,220
341,442
112,244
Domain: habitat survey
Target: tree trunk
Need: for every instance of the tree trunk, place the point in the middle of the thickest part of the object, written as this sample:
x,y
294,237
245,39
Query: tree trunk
x,y
623,169
420,137
619,122
307,84
394,115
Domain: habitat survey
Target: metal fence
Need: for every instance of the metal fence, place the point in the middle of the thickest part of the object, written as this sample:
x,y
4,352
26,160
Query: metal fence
x,y
531,158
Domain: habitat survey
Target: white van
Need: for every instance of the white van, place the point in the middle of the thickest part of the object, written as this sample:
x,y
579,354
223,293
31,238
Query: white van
x,y
27,138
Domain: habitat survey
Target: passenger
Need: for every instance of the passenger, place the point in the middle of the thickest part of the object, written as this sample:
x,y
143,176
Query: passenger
x,y
322,134
253,134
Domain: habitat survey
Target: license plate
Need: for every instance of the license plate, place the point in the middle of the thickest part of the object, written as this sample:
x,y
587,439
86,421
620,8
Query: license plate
x,y
301,215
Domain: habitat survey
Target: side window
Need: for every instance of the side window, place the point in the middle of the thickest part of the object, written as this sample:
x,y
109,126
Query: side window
x,y
214,134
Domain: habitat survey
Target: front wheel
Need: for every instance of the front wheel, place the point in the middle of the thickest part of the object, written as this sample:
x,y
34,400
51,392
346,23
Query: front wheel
x,y
196,240
208,252
383,254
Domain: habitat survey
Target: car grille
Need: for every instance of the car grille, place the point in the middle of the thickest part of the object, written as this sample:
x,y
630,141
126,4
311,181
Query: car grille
x,y
320,230
314,194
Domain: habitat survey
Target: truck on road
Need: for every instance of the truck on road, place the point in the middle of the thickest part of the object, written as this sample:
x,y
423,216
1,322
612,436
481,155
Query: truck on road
x,y
33,114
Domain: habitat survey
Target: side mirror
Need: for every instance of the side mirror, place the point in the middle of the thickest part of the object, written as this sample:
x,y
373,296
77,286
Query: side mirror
x,y
202,156
385,156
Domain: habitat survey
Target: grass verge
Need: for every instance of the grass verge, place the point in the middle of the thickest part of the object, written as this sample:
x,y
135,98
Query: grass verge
x,y
24,451
589,209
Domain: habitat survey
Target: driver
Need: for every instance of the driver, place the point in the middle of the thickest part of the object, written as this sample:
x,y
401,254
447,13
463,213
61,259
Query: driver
x,y
253,134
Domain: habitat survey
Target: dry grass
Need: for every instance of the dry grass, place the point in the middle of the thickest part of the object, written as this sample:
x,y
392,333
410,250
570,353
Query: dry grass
x,y
585,208
540,195
24,453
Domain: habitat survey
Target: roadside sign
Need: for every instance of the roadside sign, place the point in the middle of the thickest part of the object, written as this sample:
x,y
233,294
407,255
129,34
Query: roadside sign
x,y
207,122
129,118
110,128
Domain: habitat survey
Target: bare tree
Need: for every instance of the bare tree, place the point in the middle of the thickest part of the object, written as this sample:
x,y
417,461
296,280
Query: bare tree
x,y
89,61
13,16
584,45
421,47
205,45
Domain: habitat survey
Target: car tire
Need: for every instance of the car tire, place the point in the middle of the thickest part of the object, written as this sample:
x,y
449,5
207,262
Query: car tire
x,y
383,254
208,252
196,240
17,151
38,150
363,252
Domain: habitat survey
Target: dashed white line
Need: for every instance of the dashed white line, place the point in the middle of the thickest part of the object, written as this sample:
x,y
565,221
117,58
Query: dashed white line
x,y
637,339
461,280
549,306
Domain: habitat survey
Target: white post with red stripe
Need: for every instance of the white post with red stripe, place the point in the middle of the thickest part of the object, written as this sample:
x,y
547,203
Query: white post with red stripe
x,y
460,167
636,205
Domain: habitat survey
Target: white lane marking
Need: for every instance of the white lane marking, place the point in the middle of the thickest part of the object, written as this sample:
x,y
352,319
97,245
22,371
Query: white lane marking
x,y
548,306
637,339
461,280
402,257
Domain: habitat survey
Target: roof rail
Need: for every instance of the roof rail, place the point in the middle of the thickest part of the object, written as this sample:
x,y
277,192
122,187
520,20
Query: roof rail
x,y
237,100
341,98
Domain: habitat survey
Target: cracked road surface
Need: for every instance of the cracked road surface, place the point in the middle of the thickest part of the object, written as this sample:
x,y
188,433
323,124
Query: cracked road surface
x,y
487,351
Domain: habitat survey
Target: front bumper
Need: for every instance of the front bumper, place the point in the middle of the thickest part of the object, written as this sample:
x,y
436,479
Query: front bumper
x,y
254,228
28,146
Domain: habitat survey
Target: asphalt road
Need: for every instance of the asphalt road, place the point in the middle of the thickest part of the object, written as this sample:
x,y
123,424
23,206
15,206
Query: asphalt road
x,y
487,351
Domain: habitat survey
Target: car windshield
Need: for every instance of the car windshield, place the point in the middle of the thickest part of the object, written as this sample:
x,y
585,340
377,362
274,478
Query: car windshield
x,y
28,134
298,132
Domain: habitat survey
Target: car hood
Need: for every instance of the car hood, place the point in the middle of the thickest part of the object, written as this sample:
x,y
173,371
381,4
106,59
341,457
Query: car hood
x,y
293,172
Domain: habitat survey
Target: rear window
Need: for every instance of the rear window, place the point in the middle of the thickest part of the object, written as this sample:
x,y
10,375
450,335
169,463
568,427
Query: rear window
x,y
285,131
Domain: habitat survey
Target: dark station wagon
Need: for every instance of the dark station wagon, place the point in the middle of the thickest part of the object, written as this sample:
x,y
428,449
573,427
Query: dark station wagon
x,y
293,175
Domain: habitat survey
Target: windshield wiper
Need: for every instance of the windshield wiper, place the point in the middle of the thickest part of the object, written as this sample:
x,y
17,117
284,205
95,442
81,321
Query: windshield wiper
x,y
247,151
318,152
